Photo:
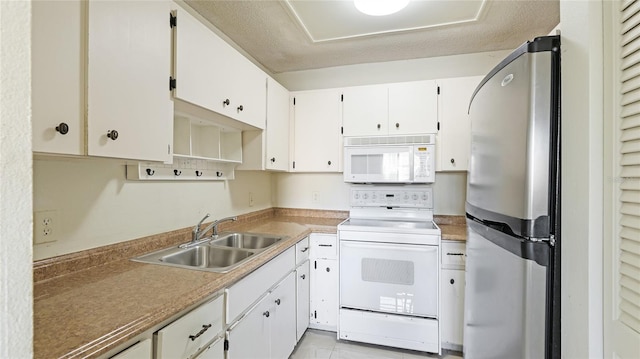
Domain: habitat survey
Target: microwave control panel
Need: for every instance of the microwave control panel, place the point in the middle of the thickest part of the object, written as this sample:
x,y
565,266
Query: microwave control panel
x,y
389,196
424,163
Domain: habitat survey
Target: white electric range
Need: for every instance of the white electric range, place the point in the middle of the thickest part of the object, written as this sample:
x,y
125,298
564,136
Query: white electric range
x,y
389,268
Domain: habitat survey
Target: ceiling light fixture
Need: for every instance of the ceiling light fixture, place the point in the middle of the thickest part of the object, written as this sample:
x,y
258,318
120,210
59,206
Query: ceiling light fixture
x,y
380,7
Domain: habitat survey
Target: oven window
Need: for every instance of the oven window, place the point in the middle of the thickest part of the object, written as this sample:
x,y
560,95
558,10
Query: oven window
x,y
387,271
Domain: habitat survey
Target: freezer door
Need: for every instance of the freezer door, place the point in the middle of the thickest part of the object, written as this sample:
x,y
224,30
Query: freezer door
x,y
510,145
504,298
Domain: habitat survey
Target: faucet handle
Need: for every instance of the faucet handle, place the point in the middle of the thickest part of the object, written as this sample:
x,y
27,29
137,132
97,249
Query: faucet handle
x,y
202,220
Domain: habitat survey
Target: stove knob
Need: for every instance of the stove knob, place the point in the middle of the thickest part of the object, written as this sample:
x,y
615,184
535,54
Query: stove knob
x,y
365,196
356,196
415,197
406,197
424,197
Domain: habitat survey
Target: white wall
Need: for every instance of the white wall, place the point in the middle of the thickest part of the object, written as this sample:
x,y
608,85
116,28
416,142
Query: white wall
x,y
16,293
296,190
393,71
97,206
582,178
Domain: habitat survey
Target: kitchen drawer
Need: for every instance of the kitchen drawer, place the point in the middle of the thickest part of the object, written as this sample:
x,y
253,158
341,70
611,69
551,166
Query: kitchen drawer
x,y
190,333
454,254
141,350
241,295
302,251
324,246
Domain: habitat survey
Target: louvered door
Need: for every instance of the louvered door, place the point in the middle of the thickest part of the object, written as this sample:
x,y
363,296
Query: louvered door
x,y
623,340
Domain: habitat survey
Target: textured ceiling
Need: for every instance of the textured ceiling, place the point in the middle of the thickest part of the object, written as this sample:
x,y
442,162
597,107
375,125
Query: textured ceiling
x,y
270,32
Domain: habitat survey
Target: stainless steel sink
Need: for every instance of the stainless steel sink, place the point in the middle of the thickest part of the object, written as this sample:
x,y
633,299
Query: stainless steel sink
x,y
220,254
207,257
245,240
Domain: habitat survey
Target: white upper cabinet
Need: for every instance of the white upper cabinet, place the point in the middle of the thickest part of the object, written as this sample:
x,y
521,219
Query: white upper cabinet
x,y
404,108
453,139
317,120
130,112
277,132
211,74
365,110
58,76
413,107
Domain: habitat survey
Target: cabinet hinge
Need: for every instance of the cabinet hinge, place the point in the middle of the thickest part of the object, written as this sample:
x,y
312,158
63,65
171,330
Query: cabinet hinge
x,y
294,101
226,344
294,165
341,130
342,98
315,264
168,149
172,83
315,314
173,20
438,90
438,125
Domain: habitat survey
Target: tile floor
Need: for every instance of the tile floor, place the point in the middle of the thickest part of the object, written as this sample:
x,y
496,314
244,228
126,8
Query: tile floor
x,y
318,344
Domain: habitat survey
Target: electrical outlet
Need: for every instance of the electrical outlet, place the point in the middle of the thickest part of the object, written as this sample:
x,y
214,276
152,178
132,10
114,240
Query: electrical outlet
x,y
45,226
250,199
315,196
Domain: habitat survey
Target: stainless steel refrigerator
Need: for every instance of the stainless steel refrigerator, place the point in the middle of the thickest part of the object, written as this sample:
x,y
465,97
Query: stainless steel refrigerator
x,y
512,298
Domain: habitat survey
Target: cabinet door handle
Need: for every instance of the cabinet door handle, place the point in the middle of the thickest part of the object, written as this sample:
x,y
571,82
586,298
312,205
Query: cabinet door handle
x,y
455,254
62,128
204,329
397,125
240,108
177,172
273,159
150,172
329,163
303,276
452,281
226,102
325,245
453,161
112,134
198,173
305,249
266,314
278,301
378,126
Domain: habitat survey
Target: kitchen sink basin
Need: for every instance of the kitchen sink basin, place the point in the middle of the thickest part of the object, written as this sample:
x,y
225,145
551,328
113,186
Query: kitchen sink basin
x,y
245,240
219,254
207,257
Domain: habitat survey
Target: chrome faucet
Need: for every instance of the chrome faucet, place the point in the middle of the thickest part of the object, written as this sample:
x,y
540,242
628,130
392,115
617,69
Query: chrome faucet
x,y
197,233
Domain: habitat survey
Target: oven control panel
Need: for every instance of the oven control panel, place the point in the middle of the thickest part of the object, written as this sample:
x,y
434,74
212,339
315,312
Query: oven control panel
x,y
391,196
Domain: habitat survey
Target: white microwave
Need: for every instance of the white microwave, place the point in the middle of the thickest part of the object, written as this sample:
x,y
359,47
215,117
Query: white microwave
x,y
390,159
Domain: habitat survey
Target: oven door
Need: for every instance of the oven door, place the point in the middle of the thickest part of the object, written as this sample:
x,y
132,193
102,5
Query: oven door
x,y
389,278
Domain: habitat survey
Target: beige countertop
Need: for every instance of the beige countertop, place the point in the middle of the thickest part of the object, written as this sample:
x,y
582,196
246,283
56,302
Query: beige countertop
x,y
89,312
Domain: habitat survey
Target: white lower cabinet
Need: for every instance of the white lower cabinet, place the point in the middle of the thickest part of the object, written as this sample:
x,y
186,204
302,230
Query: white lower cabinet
x,y
268,330
452,294
324,282
141,350
302,299
213,351
192,332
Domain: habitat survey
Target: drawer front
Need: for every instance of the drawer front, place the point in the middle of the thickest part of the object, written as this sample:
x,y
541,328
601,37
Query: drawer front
x,y
190,333
324,246
244,293
302,251
141,350
454,255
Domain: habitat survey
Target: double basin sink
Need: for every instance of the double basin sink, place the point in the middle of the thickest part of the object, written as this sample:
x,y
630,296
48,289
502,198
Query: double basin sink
x,y
219,254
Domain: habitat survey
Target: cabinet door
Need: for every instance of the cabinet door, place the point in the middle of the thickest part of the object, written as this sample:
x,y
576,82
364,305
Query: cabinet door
x,y
283,322
452,312
248,91
250,337
203,65
413,108
130,112
365,110
453,139
213,351
277,153
142,350
317,137
302,299
324,294
57,60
